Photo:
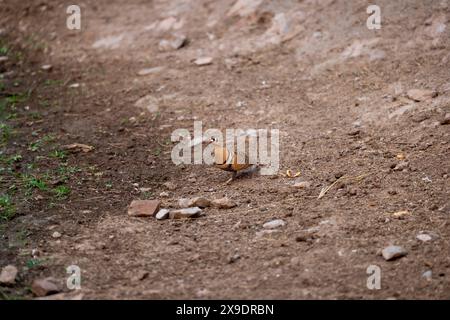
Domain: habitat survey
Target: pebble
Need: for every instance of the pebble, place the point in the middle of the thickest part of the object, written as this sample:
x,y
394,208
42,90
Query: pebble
x,y
8,275
223,203
170,186
3,58
401,166
203,61
162,214
445,120
421,95
393,252
175,43
194,202
147,71
164,194
74,85
274,224
56,235
47,67
193,212
143,208
427,275
302,185
234,258
44,287
148,103
424,237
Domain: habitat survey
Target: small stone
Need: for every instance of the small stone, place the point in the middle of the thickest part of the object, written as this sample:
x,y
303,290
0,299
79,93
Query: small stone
x,y
393,252
74,85
421,95
164,194
147,71
143,208
8,275
148,103
193,212
302,185
274,224
194,202
424,237
44,287
47,67
56,235
428,275
234,258
3,58
304,236
401,214
141,275
401,166
162,214
170,186
445,120
203,61
223,203
175,43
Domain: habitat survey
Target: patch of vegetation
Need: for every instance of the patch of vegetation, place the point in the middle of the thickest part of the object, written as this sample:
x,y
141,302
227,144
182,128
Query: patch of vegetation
x,y
61,191
7,209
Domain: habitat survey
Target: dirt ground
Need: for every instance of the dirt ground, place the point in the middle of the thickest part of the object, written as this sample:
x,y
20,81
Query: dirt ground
x,y
338,92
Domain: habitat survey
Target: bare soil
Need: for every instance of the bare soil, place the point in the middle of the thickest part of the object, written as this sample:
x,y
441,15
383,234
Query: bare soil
x,y
337,92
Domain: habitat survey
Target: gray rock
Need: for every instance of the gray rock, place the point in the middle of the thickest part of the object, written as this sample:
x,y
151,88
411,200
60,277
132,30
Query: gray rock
x,y
148,103
393,252
47,67
446,119
424,237
174,43
8,275
274,224
302,185
193,212
3,58
162,214
56,235
401,166
203,61
421,95
428,275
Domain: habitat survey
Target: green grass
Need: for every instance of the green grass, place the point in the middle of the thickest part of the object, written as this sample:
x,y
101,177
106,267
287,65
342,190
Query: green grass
x,y
5,132
61,191
7,209
59,154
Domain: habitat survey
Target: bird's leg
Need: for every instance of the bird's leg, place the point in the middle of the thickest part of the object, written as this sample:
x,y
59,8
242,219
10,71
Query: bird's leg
x,y
232,178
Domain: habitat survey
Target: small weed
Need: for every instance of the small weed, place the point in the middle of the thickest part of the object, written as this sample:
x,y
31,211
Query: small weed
x,y
61,191
7,209
59,154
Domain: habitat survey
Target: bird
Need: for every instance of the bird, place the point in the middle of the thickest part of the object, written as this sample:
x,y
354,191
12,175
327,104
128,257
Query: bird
x,y
226,160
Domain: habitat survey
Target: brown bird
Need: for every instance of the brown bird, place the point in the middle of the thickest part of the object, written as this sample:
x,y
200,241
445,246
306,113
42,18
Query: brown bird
x,y
228,161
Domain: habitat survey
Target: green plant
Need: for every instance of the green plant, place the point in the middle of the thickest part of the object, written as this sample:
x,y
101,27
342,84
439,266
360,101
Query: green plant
x,y
61,191
7,209
58,154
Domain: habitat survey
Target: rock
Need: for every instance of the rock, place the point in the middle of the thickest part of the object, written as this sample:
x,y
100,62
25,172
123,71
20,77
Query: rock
x,y
74,85
445,120
203,61
147,71
274,224
140,275
193,212
45,287
164,194
194,202
403,165
3,58
428,275
111,42
401,214
75,295
8,275
174,43
393,252
424,237
162,214
78,147
143,208
244,8
56,235
148,103
46,67
233,258
302,185
223,203
170,186
421,95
